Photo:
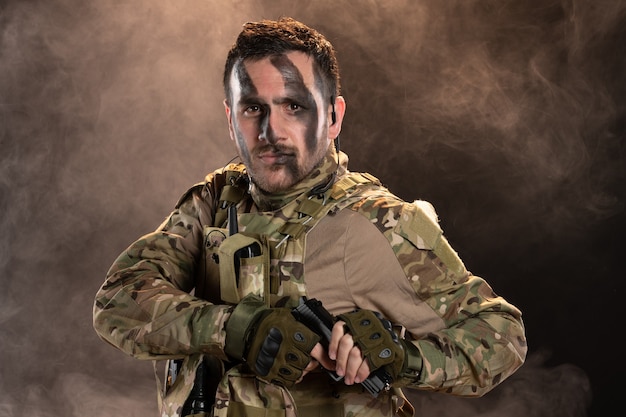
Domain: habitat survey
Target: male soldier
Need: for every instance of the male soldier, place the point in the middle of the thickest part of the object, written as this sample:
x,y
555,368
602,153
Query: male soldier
x,y
217,288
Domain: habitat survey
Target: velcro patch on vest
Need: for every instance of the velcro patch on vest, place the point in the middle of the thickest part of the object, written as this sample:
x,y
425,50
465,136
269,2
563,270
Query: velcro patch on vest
x,y
418,224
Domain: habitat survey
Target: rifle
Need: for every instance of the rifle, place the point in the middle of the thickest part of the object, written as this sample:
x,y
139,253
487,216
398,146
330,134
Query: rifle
x,y
312,314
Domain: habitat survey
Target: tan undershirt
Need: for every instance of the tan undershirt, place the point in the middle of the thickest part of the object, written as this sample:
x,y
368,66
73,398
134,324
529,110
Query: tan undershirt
x,y
349,264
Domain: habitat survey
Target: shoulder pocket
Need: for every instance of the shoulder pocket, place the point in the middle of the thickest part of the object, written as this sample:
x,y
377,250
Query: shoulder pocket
x,y
418,224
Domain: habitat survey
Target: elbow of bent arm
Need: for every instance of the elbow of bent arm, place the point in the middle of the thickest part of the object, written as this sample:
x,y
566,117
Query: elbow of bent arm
x,y
497,353
111,329
517,346
506,357
118,320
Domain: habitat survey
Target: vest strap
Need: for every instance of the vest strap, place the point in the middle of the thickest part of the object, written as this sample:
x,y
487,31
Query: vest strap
x,y
341,187
312,209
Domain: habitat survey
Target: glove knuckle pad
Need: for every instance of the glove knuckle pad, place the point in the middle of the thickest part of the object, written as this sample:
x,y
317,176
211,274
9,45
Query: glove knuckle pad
x,y
375,337
280,348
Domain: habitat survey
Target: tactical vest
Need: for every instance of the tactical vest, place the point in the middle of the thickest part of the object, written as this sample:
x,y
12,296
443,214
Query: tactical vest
x,y
274,271
277,272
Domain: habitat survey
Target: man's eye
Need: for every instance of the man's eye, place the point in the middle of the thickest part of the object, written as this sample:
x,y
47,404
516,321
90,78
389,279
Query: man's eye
x,y
253,110
294,107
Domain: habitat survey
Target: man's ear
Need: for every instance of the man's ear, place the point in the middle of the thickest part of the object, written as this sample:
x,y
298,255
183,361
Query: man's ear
x,y
229,117
339,110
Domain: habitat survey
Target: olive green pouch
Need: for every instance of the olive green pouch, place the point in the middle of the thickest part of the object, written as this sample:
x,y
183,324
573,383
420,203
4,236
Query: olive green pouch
x,y
244,267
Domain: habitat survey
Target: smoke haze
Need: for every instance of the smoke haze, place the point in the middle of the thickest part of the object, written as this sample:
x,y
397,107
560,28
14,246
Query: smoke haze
x,y
508,116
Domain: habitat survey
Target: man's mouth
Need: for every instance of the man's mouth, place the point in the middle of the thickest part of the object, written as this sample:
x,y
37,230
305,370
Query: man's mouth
x,y
274,157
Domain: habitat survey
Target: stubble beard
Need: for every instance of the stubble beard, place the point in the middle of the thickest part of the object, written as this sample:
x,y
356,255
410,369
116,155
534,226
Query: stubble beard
x,y
281,176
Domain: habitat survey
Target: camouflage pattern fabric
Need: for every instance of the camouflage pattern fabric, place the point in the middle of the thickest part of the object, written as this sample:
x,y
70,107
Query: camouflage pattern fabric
x,y
162,297
241,394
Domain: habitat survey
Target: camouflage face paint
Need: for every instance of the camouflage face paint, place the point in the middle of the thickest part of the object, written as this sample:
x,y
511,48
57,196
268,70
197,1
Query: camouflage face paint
x,y
278,93
247,89
296,88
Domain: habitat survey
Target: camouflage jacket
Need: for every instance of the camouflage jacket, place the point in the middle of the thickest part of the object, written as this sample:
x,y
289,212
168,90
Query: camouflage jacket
x,y
349,244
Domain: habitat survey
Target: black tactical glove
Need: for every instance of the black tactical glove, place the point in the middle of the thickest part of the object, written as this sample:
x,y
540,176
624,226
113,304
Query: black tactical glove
x,y
275,345
380,345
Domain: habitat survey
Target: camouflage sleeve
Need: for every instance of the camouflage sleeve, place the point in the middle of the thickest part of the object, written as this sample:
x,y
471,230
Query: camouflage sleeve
x,y
480,340
145,308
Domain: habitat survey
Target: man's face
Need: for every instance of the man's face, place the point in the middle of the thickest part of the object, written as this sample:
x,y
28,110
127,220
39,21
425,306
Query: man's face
x,y
278,119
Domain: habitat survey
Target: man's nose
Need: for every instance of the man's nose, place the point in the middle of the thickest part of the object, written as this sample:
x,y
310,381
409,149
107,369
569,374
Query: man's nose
x,y
271,126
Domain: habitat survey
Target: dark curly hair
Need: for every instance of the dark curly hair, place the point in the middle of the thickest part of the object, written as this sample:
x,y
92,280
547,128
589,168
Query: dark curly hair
x,y
265,38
